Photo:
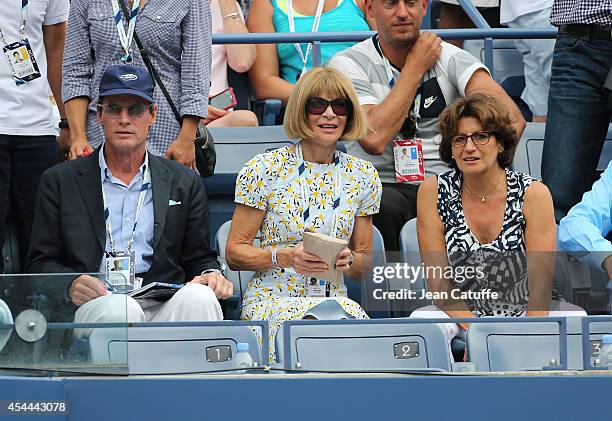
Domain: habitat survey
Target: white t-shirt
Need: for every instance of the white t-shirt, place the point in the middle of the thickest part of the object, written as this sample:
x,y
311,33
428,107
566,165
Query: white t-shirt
x,y
477,3
512,9
26,110
368,69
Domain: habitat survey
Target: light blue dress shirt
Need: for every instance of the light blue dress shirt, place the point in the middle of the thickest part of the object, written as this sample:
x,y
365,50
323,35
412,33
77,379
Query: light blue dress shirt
x,y
122,203
583,230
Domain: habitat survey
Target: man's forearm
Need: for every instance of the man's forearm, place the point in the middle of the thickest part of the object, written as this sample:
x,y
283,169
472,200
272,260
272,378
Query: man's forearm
x,y
76,112
53,38
387,118
189,127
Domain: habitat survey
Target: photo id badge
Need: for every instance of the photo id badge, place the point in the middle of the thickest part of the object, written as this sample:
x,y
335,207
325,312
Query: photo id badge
x,y
408,157
120,270
21,61
315,287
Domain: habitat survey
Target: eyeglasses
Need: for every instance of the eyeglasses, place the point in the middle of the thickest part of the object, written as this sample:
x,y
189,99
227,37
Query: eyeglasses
x,y
113,110
479,138
317,106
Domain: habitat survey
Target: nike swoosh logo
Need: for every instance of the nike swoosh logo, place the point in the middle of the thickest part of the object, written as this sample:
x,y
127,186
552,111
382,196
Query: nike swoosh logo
x,y
429,101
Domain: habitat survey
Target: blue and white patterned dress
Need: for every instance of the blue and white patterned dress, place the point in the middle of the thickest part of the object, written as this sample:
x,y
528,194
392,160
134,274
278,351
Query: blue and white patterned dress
x,y
504,259
270,182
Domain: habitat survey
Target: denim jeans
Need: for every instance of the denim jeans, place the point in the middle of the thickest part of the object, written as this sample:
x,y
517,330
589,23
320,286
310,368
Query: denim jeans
x,y
578,118
23,159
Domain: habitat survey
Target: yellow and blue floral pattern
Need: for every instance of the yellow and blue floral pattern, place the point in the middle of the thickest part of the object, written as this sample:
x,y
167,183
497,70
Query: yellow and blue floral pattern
x,y
270,182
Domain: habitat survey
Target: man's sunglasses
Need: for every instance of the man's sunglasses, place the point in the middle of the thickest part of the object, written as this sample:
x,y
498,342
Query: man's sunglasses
x,y
317,106
113,110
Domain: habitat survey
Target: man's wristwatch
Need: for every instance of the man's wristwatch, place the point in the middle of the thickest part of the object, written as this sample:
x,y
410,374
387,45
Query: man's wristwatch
x,y
63,124
219,271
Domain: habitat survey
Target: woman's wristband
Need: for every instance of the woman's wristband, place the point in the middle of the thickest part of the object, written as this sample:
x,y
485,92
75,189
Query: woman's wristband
x,y
275,259
233,15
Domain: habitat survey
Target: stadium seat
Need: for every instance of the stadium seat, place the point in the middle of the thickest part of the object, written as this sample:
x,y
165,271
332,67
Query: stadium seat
x,y
529,345
267,110
507,60
409,247
235,146
528,157
173,349
361,291
362,345
240,279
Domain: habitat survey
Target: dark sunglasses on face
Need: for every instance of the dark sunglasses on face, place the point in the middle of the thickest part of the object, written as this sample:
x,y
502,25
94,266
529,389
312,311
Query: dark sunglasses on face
x,y
317,106
113,110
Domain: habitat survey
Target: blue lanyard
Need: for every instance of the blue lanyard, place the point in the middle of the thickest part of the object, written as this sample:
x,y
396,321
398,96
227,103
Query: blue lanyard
x,y
126,39
141,198
305,206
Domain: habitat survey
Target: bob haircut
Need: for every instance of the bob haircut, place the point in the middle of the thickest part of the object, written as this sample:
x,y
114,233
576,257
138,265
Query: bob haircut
x,y
493,118
323,81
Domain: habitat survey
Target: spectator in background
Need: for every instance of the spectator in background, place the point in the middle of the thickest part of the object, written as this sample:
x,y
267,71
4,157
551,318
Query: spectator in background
x,y
28,144
227,18
452,16
404,79
578,114
586,227
337,192
483,215
177,38
277,67
536,53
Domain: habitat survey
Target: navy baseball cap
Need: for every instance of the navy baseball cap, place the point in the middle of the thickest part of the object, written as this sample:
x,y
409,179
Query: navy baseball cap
x,y
126,79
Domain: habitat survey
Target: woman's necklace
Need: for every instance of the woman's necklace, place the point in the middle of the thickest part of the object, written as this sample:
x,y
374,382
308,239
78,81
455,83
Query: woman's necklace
x,y
483,199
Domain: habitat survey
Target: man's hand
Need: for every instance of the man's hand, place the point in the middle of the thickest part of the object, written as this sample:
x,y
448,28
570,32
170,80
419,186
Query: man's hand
x,y
304,262
85,288
182,150
75,147
222,288
424,53
213,114
344,260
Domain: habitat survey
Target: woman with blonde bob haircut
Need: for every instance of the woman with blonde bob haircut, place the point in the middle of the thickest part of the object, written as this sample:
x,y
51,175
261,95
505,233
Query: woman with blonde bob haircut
x,y
330,81
309,186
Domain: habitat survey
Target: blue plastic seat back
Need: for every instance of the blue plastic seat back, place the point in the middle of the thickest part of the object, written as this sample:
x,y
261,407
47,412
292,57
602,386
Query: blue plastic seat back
x,y
362,345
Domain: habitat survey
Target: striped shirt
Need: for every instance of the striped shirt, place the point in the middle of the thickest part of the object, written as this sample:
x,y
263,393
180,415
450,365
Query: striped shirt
x,y
177,36
367,68
590,12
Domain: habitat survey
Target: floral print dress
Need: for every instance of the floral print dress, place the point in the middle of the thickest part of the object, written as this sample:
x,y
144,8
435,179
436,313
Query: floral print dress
x,y
271,182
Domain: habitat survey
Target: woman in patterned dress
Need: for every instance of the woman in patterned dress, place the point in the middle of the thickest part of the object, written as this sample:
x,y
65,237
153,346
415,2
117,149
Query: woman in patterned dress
x,y
485,216
308,186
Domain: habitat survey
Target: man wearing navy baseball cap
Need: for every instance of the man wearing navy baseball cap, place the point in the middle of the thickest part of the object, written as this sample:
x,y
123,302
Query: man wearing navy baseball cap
x,y
122,207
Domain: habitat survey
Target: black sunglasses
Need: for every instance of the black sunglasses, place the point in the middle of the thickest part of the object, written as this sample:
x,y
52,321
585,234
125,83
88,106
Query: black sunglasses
x,y
317,106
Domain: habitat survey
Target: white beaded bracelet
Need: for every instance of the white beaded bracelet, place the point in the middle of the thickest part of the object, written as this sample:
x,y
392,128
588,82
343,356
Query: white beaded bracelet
x,y
274,259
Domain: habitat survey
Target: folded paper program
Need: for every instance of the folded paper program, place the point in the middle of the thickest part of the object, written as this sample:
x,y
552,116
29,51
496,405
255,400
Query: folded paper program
x,y
326,248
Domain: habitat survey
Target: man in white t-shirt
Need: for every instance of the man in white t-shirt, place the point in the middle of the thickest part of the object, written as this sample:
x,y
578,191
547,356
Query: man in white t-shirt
x,y
28,144
536,53
389,71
